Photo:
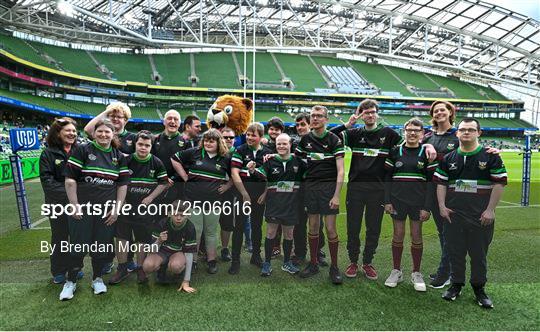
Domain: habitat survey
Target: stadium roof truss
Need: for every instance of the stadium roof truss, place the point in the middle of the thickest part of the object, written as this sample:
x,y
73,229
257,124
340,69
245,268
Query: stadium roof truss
x,y
465,37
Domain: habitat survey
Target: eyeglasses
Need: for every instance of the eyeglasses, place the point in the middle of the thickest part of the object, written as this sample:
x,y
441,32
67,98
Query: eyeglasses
x,y
228,137
467,130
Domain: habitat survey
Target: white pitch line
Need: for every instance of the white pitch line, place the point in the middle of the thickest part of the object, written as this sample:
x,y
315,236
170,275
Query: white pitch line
x,y
44,227
517,207
39,222
512,203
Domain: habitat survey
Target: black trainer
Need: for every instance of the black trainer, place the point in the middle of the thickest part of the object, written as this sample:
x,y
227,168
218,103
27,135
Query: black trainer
x,y
225,255
452,293
439,282
118,277
212,267
482,299
310,270
256,260
335,275
432,276
235,267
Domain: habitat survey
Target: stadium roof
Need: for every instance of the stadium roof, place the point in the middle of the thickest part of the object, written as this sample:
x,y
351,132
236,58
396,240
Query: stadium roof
x,y
474,37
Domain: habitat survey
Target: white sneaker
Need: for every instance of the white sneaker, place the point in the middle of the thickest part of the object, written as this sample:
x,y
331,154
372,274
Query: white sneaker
x,y
418,282
98,286
396,276
68,290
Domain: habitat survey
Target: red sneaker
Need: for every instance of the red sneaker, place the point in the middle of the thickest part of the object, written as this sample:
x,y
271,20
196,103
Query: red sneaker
x,y
352,270
369,271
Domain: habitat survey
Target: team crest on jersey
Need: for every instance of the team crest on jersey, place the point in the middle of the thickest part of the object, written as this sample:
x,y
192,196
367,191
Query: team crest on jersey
x,y
482,165
450,146
130,172
362,140
152,172
295,169
275,170
308,145
382,140
57,162
420,164
198,163
92,156
218,167
129,142
325,146
181,144
115,161
399,164
453,166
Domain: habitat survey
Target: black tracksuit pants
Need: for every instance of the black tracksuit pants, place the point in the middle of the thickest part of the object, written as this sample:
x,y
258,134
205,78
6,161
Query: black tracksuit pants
x,y
358,202
465,236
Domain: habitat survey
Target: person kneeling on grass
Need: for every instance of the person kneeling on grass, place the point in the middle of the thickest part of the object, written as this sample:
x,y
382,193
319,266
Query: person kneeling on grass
x,y
408,170
175,236
283,174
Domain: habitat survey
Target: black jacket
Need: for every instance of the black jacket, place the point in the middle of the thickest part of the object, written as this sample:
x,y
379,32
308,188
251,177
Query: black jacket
x,y
51,173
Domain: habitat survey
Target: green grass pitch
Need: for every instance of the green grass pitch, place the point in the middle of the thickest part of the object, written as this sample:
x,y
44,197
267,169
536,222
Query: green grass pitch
x,y
28,300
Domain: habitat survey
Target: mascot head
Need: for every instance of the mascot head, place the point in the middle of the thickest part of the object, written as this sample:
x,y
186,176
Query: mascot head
x,y
231,111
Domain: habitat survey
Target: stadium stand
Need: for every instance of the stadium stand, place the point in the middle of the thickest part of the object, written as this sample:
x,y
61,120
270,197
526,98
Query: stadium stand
x,y
127,67
174,69
301,71
216,70
71,60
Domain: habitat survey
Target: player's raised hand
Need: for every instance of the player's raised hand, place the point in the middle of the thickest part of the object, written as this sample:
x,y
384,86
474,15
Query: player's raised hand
x,y
269,156
352,120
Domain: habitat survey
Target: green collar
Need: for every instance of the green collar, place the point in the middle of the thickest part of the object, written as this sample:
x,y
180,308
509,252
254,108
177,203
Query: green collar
x,y
282,160
142,160
203,153
172,136
177,228
99,147
377,128
232,149
123,133
253,149
322,136
472,153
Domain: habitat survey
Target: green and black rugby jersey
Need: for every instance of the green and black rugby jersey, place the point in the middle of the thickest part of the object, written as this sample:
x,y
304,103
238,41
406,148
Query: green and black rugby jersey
x,y
443,143
283,183
165,147
127,142
408,174
321,154
369,151
98,172
179,238
243,155
469,177
205,174
144,176
188,143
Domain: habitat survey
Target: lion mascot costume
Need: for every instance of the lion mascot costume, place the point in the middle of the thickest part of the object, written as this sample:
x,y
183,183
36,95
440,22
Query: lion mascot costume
x,y
233,112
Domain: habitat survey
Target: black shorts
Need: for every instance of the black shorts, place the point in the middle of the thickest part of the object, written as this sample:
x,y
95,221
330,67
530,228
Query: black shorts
x,y
282,221
226,221
165,255
317,196
403,210
141,232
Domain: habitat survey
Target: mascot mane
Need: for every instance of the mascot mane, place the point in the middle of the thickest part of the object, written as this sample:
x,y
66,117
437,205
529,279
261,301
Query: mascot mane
x,y
230,111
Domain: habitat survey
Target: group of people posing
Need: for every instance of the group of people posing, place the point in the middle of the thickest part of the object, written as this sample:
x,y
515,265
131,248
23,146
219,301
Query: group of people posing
x,y
294,183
